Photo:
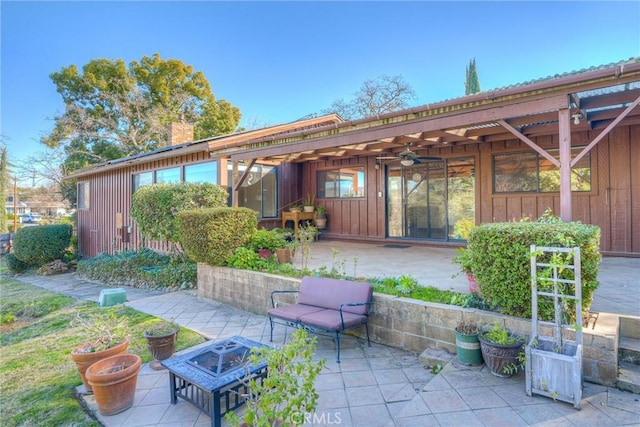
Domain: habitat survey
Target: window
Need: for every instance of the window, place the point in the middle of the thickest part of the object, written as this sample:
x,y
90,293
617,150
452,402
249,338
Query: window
x,y
531,172
142,179
259,191
202,172
341,183
166,176
83,195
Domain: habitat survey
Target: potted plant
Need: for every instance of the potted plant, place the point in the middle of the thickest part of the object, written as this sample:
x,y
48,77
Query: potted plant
x,y
467,343
161,338
502,350
114,382
265,242
464,258
105,336
320,218
286,253
295,208
309,203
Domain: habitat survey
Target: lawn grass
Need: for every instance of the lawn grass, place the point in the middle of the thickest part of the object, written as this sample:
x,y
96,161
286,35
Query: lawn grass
x,y
37,374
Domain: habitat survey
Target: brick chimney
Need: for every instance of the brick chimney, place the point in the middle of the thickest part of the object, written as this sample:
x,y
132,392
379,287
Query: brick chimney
x,y
180,133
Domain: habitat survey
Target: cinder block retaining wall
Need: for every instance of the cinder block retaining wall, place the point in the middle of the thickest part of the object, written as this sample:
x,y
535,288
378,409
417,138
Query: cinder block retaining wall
x,y
406,323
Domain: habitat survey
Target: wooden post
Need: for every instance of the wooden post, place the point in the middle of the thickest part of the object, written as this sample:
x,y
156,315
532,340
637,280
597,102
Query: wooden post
x,y
564,131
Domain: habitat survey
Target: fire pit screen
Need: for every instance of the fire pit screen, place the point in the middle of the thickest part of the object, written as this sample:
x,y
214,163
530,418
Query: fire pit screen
x,y
221,358
214,377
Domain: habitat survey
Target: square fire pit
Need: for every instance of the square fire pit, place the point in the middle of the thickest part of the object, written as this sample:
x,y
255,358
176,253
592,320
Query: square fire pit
x,y
211,378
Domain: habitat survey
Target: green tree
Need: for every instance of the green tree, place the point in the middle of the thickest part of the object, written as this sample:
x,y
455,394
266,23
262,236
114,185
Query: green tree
x,y
113,110
385,94
472,84
3,191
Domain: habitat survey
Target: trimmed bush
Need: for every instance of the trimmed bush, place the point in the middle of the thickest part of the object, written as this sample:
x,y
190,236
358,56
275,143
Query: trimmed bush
x,y
500,260
14,264
154,208
212,235
40,245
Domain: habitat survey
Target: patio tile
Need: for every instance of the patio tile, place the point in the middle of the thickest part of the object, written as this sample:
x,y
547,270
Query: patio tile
x,y
481,397
358,379
500,417
399,392
541,413
417,421
444,401
390,376
460,418
329,381
370,416
360,396
335,399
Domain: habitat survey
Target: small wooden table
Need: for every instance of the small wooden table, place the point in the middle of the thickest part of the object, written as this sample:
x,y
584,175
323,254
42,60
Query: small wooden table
x,y
296,217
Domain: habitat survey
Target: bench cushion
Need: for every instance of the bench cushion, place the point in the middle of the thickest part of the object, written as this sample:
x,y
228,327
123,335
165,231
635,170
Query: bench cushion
x,y
293,312
330,293
330,319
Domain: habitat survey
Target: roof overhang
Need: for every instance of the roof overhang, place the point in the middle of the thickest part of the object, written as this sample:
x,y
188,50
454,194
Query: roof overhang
x,y
595,98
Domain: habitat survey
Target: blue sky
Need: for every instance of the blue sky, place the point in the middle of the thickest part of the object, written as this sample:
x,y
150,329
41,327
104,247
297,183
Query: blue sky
x,y
280,61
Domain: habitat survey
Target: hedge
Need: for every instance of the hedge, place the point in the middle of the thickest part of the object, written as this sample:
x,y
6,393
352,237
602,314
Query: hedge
x,y
42,244
212,235
154,208
500,260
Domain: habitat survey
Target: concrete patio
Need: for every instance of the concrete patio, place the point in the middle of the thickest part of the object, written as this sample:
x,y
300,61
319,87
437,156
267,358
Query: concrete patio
x,y
378,385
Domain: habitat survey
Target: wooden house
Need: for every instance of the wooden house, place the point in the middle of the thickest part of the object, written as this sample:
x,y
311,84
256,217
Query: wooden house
x,y
569,143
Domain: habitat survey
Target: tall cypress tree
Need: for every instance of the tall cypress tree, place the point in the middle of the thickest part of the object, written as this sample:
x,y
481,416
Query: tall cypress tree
x,y
472,85
3,192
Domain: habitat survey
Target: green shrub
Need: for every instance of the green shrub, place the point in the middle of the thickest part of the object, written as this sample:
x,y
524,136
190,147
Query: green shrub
x,y
14,264
144,269
500,260
212,235
267,239
154,208
245,259
40,245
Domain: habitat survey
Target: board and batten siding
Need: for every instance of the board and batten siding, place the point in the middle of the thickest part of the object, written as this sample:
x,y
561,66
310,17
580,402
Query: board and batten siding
x,y
110,195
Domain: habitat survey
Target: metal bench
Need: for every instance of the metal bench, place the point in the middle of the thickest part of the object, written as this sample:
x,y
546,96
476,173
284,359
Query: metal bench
x,y
325,307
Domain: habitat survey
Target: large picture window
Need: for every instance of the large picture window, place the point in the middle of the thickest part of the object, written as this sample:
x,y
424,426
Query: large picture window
x,y
198,172
259,191
167,176
341,183
531,172
202,172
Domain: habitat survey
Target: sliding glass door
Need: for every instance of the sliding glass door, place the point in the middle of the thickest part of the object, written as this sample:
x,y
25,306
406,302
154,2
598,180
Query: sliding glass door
x,y
432,200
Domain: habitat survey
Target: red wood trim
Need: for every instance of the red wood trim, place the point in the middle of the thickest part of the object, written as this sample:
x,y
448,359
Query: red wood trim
x,y
564,129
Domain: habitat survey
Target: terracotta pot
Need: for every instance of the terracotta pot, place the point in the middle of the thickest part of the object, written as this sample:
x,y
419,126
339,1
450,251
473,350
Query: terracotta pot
x,y
284,255
114,382
161,347
84,360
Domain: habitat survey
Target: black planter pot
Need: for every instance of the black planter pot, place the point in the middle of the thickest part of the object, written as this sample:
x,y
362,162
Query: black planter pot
x,y
502,359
